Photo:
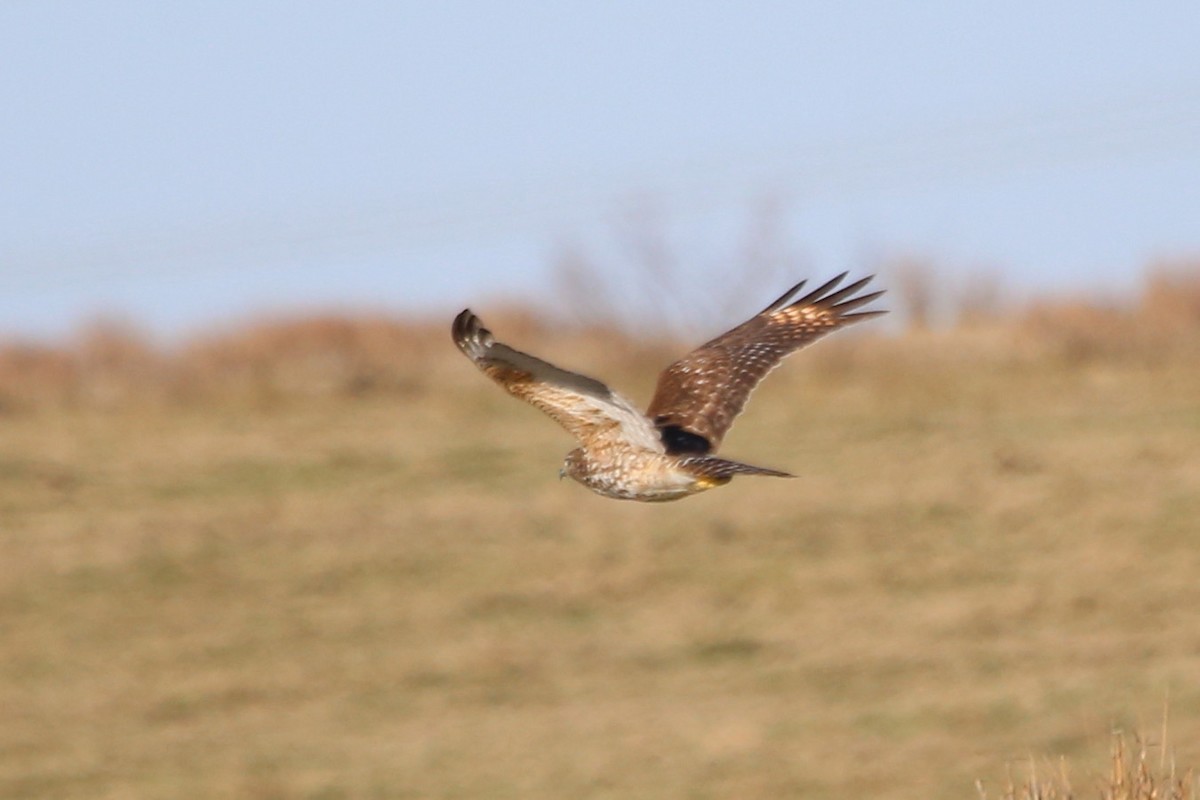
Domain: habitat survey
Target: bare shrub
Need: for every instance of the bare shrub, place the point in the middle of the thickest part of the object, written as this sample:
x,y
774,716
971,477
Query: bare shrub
x,y
915,287
980,300
1078,331
640,280
117,364
34,375
1171,299
311,356
1163,324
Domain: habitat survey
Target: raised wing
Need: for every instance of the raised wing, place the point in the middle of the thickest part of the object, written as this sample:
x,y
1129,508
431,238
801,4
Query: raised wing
x,y
699,396
589,410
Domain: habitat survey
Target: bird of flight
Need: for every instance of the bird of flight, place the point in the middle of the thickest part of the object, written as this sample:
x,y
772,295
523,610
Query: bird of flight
x,y
668,452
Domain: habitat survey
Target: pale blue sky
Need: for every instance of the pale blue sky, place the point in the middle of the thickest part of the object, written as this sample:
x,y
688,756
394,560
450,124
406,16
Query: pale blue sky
x,y
183,164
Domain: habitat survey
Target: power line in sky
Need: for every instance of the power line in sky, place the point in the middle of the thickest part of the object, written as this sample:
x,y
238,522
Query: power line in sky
x,y
1078,133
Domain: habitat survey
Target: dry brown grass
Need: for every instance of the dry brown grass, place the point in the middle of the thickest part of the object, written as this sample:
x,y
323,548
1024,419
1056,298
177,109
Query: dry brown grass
x,y
1133,774
380,589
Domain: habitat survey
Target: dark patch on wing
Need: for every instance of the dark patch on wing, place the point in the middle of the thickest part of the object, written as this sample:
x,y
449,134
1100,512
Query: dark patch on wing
x,y
679,441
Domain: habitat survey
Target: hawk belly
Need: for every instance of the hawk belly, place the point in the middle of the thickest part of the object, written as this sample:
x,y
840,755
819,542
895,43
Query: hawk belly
x,y
648,477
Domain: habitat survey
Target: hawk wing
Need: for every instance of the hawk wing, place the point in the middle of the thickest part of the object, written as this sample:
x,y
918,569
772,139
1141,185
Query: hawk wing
x,y
589,410
699,396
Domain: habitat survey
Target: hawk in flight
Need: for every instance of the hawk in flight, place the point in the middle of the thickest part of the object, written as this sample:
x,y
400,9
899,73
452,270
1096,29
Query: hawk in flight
x,y
668,452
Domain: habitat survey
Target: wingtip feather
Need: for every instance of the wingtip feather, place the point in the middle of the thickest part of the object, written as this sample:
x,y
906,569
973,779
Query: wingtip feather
x,y
785,298
842,300
862,316
857,302
818,294
469,334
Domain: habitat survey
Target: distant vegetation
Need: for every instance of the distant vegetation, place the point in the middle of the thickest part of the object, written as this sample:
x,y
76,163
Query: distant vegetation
x,y
109,363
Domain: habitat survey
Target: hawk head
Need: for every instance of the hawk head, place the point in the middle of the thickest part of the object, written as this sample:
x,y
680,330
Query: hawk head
x,y
574,465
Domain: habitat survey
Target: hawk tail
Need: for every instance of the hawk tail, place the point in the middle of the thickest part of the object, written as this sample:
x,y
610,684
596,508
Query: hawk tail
x,y
723,470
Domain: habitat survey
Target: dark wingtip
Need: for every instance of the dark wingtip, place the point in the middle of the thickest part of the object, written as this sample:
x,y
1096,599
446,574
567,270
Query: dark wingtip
x,y
469,334
856,302
825,295
785,298
842,300
862,316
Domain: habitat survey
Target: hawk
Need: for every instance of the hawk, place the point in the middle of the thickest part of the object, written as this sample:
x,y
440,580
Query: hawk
x,y
669,452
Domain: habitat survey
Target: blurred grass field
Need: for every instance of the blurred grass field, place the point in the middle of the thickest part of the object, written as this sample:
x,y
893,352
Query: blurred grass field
x,y
336,579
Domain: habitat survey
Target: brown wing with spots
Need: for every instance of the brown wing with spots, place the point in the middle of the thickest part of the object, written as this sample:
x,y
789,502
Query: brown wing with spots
x,y
589,410
699,396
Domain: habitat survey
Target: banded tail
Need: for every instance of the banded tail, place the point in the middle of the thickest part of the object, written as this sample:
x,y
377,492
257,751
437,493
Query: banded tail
x,y
722,470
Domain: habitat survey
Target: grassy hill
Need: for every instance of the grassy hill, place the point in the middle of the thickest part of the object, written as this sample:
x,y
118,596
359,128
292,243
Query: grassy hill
x,y
328,559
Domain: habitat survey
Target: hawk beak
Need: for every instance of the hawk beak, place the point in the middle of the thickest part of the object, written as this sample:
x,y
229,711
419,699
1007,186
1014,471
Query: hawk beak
x,y
562,473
